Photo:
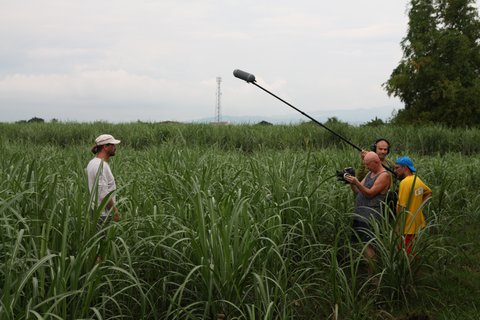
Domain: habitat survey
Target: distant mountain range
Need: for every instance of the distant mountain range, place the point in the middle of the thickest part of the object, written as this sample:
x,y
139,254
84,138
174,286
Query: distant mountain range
x,y
354,117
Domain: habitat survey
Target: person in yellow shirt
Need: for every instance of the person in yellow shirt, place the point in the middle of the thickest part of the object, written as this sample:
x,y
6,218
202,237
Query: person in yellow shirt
x,y
412,195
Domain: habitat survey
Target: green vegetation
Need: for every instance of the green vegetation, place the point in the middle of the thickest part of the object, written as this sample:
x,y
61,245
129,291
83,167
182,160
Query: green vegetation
x,y
246,222
438,78
430,140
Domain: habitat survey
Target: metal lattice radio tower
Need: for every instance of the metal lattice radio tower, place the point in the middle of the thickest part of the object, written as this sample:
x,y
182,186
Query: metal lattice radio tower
x,y
218,109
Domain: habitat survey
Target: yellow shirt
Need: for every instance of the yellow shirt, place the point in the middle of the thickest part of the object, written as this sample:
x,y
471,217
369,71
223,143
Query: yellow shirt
x,y
411,197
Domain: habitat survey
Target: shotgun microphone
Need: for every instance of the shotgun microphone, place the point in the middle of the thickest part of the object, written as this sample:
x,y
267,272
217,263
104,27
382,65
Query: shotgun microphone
x,y
244,75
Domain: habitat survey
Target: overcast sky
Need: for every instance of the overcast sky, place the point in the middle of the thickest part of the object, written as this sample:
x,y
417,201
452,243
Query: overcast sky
x,y
157,60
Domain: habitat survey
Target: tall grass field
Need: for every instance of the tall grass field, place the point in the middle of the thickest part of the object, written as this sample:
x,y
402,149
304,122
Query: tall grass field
x,y
230,222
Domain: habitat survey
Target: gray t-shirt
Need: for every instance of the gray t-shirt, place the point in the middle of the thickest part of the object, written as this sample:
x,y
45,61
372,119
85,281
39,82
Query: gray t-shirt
x,y
367,207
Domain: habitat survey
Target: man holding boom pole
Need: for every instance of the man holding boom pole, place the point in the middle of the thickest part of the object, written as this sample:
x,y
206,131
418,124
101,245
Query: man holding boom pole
x,y
382,148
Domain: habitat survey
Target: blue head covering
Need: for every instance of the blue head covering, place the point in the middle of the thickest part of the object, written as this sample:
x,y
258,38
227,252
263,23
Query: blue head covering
x,y
407,162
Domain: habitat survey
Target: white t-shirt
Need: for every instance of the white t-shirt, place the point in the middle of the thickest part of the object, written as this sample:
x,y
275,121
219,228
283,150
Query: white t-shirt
x,y
106,181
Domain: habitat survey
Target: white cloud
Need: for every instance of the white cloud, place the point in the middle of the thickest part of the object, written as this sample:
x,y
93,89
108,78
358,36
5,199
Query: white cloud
x,y
373,32
158,60
97,91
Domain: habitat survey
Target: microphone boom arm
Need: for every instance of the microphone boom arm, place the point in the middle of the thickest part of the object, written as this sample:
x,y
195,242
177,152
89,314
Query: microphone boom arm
x,y
250,78
309,117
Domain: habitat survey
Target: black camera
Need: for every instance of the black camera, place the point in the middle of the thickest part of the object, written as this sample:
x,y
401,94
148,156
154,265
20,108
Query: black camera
x,y
346,171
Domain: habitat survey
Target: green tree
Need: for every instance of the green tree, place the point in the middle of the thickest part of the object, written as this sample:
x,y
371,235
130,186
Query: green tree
x,y
376,122
36,119
438,76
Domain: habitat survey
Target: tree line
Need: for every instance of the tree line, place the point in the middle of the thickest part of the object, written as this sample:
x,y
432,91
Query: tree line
x,y
438,76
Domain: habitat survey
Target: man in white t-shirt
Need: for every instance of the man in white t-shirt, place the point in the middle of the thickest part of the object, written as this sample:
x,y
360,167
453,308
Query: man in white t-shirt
x,y
100,177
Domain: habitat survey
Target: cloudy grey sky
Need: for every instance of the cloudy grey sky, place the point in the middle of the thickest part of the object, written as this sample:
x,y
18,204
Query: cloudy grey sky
x,y
156,60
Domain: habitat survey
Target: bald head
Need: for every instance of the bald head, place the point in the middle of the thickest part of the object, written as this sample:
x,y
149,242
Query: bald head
x,y
372,161
371,156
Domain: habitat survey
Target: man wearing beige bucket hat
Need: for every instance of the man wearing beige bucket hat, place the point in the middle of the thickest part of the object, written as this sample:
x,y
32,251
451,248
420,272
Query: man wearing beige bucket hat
x,y
100,178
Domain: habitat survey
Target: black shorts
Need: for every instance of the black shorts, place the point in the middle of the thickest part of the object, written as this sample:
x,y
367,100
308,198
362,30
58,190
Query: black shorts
x,y
362,232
